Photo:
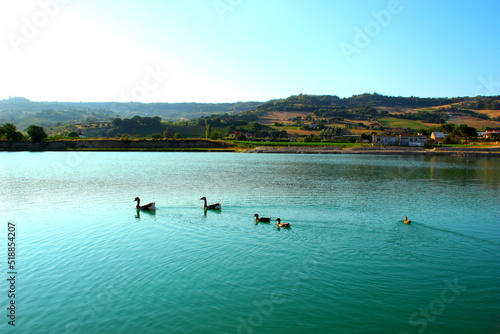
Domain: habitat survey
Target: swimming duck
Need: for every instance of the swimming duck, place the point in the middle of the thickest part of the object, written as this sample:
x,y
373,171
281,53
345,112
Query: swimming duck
x,y
406,221
261,219
150,206
215,206
280,224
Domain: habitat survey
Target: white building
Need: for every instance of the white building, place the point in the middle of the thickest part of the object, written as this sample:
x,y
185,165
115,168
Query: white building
x,y
402,140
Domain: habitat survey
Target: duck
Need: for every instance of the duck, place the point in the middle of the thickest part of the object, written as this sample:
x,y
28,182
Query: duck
x,y
215,206
280,224
406,221
261,219
150,206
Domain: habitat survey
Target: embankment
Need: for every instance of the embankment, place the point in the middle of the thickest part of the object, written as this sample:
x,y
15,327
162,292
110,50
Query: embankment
x,y
215,145
115,145
393,150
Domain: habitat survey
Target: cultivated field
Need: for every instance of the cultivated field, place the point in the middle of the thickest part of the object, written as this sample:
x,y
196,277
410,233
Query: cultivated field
x,y
473,121
282,117
405,123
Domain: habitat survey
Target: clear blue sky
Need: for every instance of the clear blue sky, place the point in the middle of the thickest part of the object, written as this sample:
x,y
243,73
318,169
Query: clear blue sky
x,y
247,50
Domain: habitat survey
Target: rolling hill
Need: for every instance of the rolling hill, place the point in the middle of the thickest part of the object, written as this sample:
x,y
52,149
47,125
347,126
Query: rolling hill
x,y
299,114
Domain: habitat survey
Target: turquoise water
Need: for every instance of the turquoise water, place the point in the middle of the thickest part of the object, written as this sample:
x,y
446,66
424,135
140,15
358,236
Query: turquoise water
x,y
88,262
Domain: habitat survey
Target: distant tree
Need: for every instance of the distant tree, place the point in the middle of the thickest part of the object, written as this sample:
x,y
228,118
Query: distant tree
x,y
10,132
365,136
448,140
117,122
72,134
208,131
36,133
169,133
215,135
448,127
465,131
112,133
156,136
177,136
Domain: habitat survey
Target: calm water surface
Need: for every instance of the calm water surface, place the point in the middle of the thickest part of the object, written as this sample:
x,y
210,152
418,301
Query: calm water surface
x,y
88,262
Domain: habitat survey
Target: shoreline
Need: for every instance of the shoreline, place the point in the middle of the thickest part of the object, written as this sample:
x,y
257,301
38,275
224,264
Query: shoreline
x,y
386,150
204,145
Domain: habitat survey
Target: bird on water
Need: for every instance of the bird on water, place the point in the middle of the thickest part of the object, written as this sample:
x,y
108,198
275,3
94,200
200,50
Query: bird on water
x,y
261,219
150,206
280,224
215,206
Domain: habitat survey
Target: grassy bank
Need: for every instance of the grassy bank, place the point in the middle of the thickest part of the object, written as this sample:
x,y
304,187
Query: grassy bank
x,y
252,144
203,145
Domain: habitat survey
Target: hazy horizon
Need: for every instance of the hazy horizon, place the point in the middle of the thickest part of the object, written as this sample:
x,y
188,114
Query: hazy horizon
x,y
232,102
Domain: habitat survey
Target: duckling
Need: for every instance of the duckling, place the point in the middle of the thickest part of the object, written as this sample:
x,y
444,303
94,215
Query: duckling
x,y
406,221
150,206
216,206
280,224
261,219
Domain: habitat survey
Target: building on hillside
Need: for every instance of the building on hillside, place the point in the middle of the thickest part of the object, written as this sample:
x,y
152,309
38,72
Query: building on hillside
x,y
234,135
437,136
402,140
385,140
488,133
412,140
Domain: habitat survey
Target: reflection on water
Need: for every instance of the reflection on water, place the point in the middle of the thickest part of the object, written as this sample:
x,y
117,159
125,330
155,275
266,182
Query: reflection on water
x,y
348,264
145,212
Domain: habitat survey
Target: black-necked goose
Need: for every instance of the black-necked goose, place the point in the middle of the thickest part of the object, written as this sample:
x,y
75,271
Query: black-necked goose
x,y
215,206
150,206
261,219
280,224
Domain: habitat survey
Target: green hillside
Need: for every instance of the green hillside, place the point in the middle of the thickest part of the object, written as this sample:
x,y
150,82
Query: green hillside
x,y
391,122
308,115
23,112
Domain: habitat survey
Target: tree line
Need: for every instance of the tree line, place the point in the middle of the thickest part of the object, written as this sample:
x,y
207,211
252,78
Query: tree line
x,y
35,133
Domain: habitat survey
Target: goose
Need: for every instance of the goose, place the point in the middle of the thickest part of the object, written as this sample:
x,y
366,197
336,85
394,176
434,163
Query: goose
x,y
150,206
211,206
261,219
280,224
406,221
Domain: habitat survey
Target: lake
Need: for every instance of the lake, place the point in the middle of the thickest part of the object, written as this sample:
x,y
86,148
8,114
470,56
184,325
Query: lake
x,y
87,261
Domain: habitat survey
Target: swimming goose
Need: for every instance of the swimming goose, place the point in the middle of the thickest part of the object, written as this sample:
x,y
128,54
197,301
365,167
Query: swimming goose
x,y
261,219
280,224
406,221
211,206
150,206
